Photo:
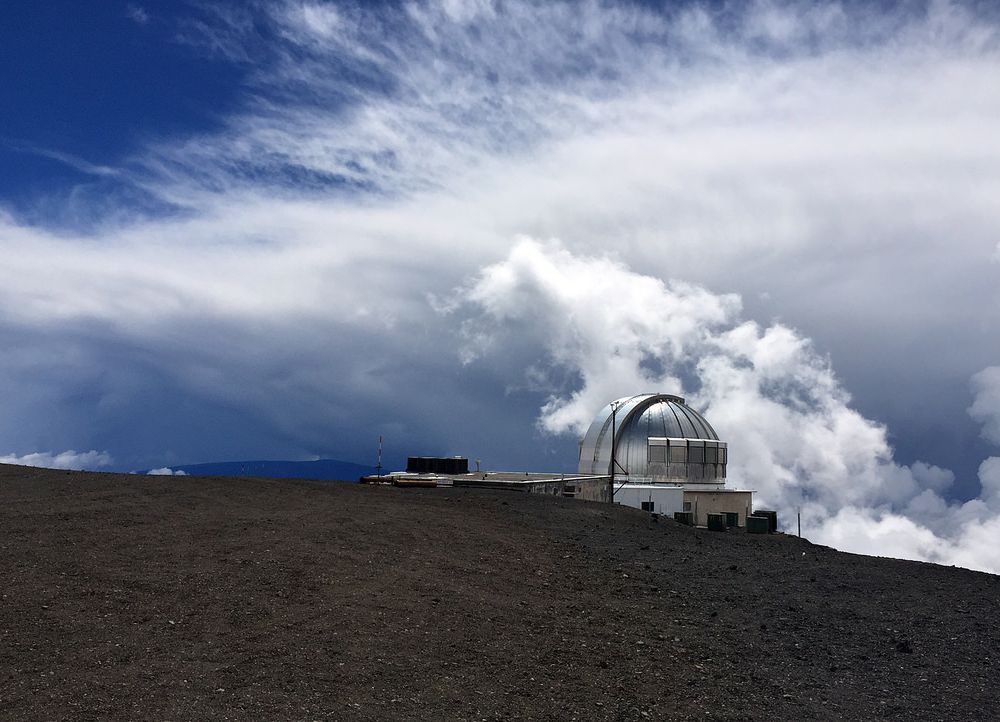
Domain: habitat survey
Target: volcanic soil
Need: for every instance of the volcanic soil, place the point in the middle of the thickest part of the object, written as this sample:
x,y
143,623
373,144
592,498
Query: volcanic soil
x,y
178,598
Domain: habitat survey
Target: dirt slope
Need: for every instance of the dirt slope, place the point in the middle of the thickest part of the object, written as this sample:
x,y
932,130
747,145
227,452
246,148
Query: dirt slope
x,y
127,597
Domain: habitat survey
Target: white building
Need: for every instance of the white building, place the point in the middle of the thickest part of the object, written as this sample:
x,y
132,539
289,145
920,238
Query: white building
x,y
664,457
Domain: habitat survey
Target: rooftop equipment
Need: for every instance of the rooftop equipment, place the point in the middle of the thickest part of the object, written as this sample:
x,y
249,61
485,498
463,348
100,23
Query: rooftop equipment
x,y
717,522
772,519
437,465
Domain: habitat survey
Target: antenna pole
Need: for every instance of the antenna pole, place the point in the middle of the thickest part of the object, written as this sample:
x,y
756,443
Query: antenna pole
x,y
378,465
611,481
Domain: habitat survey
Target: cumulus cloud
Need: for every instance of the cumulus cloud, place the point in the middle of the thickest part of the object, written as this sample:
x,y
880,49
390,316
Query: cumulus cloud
x,y
833,164
986,402
989,477
82,460
792,432
166,471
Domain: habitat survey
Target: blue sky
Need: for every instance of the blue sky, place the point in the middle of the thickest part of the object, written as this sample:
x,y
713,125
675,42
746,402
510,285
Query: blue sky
x,y
84,88
279,230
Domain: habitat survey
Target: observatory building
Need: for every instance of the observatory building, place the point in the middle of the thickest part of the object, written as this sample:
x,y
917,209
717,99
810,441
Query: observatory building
x,y
651,451
663,457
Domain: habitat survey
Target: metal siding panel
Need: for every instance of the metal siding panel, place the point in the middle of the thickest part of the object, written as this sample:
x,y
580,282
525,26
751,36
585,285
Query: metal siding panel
x,y
638,418
687,428
695,421
673,428
661,425
588,450
622,416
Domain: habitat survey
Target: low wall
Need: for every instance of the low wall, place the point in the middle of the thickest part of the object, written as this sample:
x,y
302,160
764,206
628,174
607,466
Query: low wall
x,y
591,488
652,498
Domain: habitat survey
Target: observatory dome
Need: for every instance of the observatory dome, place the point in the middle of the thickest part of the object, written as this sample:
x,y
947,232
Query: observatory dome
x,y
657,438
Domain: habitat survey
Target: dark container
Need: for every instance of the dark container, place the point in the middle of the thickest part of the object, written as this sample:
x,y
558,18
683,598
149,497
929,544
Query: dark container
x,y
717,522
732,518
758,525
437,465
684,517
771,516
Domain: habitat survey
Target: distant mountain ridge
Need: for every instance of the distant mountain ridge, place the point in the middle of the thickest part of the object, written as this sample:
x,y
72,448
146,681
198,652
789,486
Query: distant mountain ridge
x,y
321,469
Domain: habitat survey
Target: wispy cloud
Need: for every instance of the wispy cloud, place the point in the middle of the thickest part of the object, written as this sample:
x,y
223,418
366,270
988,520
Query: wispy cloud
x,y
75,162
137,14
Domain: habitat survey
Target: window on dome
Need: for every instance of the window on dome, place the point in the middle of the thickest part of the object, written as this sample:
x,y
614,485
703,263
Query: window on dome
x,y
678,454
657,454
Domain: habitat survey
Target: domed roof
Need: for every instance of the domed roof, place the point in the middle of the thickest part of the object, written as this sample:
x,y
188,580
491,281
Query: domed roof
x,y
637,419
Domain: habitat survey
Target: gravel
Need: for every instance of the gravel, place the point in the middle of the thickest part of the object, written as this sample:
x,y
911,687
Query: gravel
x,y
176,598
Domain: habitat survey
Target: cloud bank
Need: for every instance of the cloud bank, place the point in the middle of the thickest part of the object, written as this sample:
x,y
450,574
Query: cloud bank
x,y
83,460
792,433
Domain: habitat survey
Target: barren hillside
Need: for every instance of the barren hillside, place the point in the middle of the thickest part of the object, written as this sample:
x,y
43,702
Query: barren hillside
x,y
132,597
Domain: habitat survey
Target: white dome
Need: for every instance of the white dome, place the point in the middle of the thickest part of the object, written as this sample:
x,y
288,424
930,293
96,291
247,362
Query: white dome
x,y
658,437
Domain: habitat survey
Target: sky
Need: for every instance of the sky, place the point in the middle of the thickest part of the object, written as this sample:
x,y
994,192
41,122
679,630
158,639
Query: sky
x,y
283,229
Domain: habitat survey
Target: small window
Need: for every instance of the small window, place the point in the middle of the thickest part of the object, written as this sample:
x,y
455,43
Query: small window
x,y
678,454
697,455
658,454
647,506
722,454
711,454
687,506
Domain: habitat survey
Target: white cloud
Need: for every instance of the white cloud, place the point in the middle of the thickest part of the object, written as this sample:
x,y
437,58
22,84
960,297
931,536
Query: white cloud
x,y
986,402
793,436
585,311
74,162
137,14
467,10
319,19
85,460
865,531
166,471
989,478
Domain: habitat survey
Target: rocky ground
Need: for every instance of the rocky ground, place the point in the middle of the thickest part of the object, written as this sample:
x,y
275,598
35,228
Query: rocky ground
x,y
177,598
